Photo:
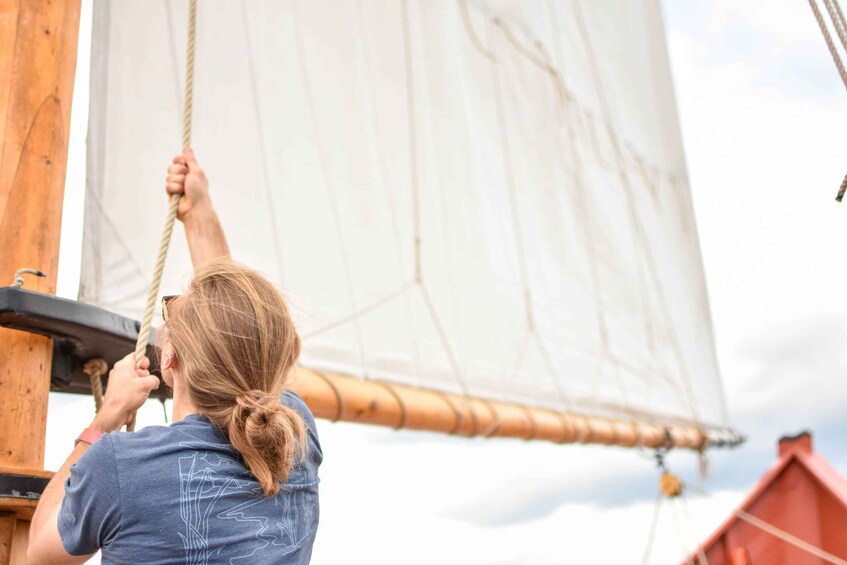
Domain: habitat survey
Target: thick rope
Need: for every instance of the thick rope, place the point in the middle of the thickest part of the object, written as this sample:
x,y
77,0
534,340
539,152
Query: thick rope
x,y
837,20
95,369
838,24
152,295
788,538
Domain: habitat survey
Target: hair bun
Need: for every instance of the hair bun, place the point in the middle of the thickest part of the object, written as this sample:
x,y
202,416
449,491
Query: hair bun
x,y
261,415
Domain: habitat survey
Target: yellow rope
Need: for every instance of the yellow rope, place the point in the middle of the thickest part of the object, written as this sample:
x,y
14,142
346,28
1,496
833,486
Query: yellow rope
x,y
152,295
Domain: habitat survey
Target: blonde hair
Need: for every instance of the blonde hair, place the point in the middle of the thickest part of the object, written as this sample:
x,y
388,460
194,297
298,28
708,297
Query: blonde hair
x,y
236,345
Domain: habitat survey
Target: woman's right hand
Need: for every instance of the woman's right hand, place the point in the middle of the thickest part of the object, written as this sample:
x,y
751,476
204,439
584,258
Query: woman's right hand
x,y
187,178
127,390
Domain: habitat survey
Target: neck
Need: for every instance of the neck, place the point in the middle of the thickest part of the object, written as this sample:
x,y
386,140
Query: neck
x,y
182,403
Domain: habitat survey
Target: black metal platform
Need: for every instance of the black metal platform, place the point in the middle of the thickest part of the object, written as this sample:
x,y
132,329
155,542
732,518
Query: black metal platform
x,y
80,332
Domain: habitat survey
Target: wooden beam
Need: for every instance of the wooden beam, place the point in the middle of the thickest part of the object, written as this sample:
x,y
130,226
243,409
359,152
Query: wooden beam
x,y
7,533
339,397
38,46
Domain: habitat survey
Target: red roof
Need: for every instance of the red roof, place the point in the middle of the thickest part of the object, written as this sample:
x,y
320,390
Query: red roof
x,y
801,495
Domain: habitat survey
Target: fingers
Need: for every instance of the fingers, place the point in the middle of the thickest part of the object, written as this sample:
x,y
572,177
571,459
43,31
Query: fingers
x,y
177,169
145,363
179,160
149,383
190,159
127,361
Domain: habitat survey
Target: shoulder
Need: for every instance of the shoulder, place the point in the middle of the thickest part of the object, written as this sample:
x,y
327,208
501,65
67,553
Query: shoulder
x,y
98,461
293,401
128,442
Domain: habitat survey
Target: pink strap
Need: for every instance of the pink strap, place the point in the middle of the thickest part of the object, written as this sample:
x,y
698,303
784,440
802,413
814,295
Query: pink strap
x,y
89,436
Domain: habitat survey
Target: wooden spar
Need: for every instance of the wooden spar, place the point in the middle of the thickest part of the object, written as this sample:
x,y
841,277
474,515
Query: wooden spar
x,y
339,397
38,46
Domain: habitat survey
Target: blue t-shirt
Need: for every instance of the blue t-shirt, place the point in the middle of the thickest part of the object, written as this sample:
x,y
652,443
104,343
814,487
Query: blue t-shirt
x,y
181,494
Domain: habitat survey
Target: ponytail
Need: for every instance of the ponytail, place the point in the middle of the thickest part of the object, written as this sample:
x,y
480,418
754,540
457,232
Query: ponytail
x,y
269,436
237,345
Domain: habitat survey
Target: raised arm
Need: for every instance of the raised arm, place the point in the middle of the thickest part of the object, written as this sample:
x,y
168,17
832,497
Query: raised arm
x,y
206,239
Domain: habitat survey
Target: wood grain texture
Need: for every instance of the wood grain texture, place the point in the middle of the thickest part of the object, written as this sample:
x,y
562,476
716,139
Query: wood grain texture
x,y
38,45
37,63
8,521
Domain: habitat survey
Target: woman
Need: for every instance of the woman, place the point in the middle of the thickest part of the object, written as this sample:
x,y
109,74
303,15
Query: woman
x,y
234,479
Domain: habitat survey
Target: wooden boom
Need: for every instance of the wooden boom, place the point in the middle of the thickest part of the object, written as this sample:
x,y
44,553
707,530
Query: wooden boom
x,y
339,397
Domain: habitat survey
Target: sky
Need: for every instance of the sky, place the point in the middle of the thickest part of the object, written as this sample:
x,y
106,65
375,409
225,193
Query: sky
x,y
762,114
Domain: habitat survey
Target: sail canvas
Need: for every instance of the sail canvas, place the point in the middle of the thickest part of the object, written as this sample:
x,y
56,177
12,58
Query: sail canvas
x,y
486,198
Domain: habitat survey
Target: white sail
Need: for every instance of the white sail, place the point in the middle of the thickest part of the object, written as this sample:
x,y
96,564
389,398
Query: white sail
x,y
481,197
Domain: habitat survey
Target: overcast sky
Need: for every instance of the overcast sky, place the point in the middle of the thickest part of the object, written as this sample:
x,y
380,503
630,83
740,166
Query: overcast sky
x,y
762,114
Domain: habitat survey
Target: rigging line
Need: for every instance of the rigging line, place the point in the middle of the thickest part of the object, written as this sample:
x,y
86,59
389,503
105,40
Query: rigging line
x,y
840,18
836,58
564,398
260,135
442,335
649,329
588,123
328,185
361,312
564,99
448,261
638,227
147,320
582,204
683,543
413,170
837,22
654,523
374,140
534,59
525,340
413,137
508,173
701,554
472,35
788,538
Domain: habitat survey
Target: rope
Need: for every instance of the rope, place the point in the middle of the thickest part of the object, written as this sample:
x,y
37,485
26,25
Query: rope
x,y
404,412
838,23
788,538
836,58
533,423
339,398
457,414
152,295
472,35
95,368
651,535
491,428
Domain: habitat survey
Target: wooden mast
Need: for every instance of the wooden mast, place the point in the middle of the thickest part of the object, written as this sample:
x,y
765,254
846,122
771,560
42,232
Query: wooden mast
x,y
38,46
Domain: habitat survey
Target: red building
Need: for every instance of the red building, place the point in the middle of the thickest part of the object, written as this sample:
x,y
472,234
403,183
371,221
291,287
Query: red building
x,y
796,515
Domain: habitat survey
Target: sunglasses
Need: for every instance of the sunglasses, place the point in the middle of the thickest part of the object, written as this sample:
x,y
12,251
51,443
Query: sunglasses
x,y
165,301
